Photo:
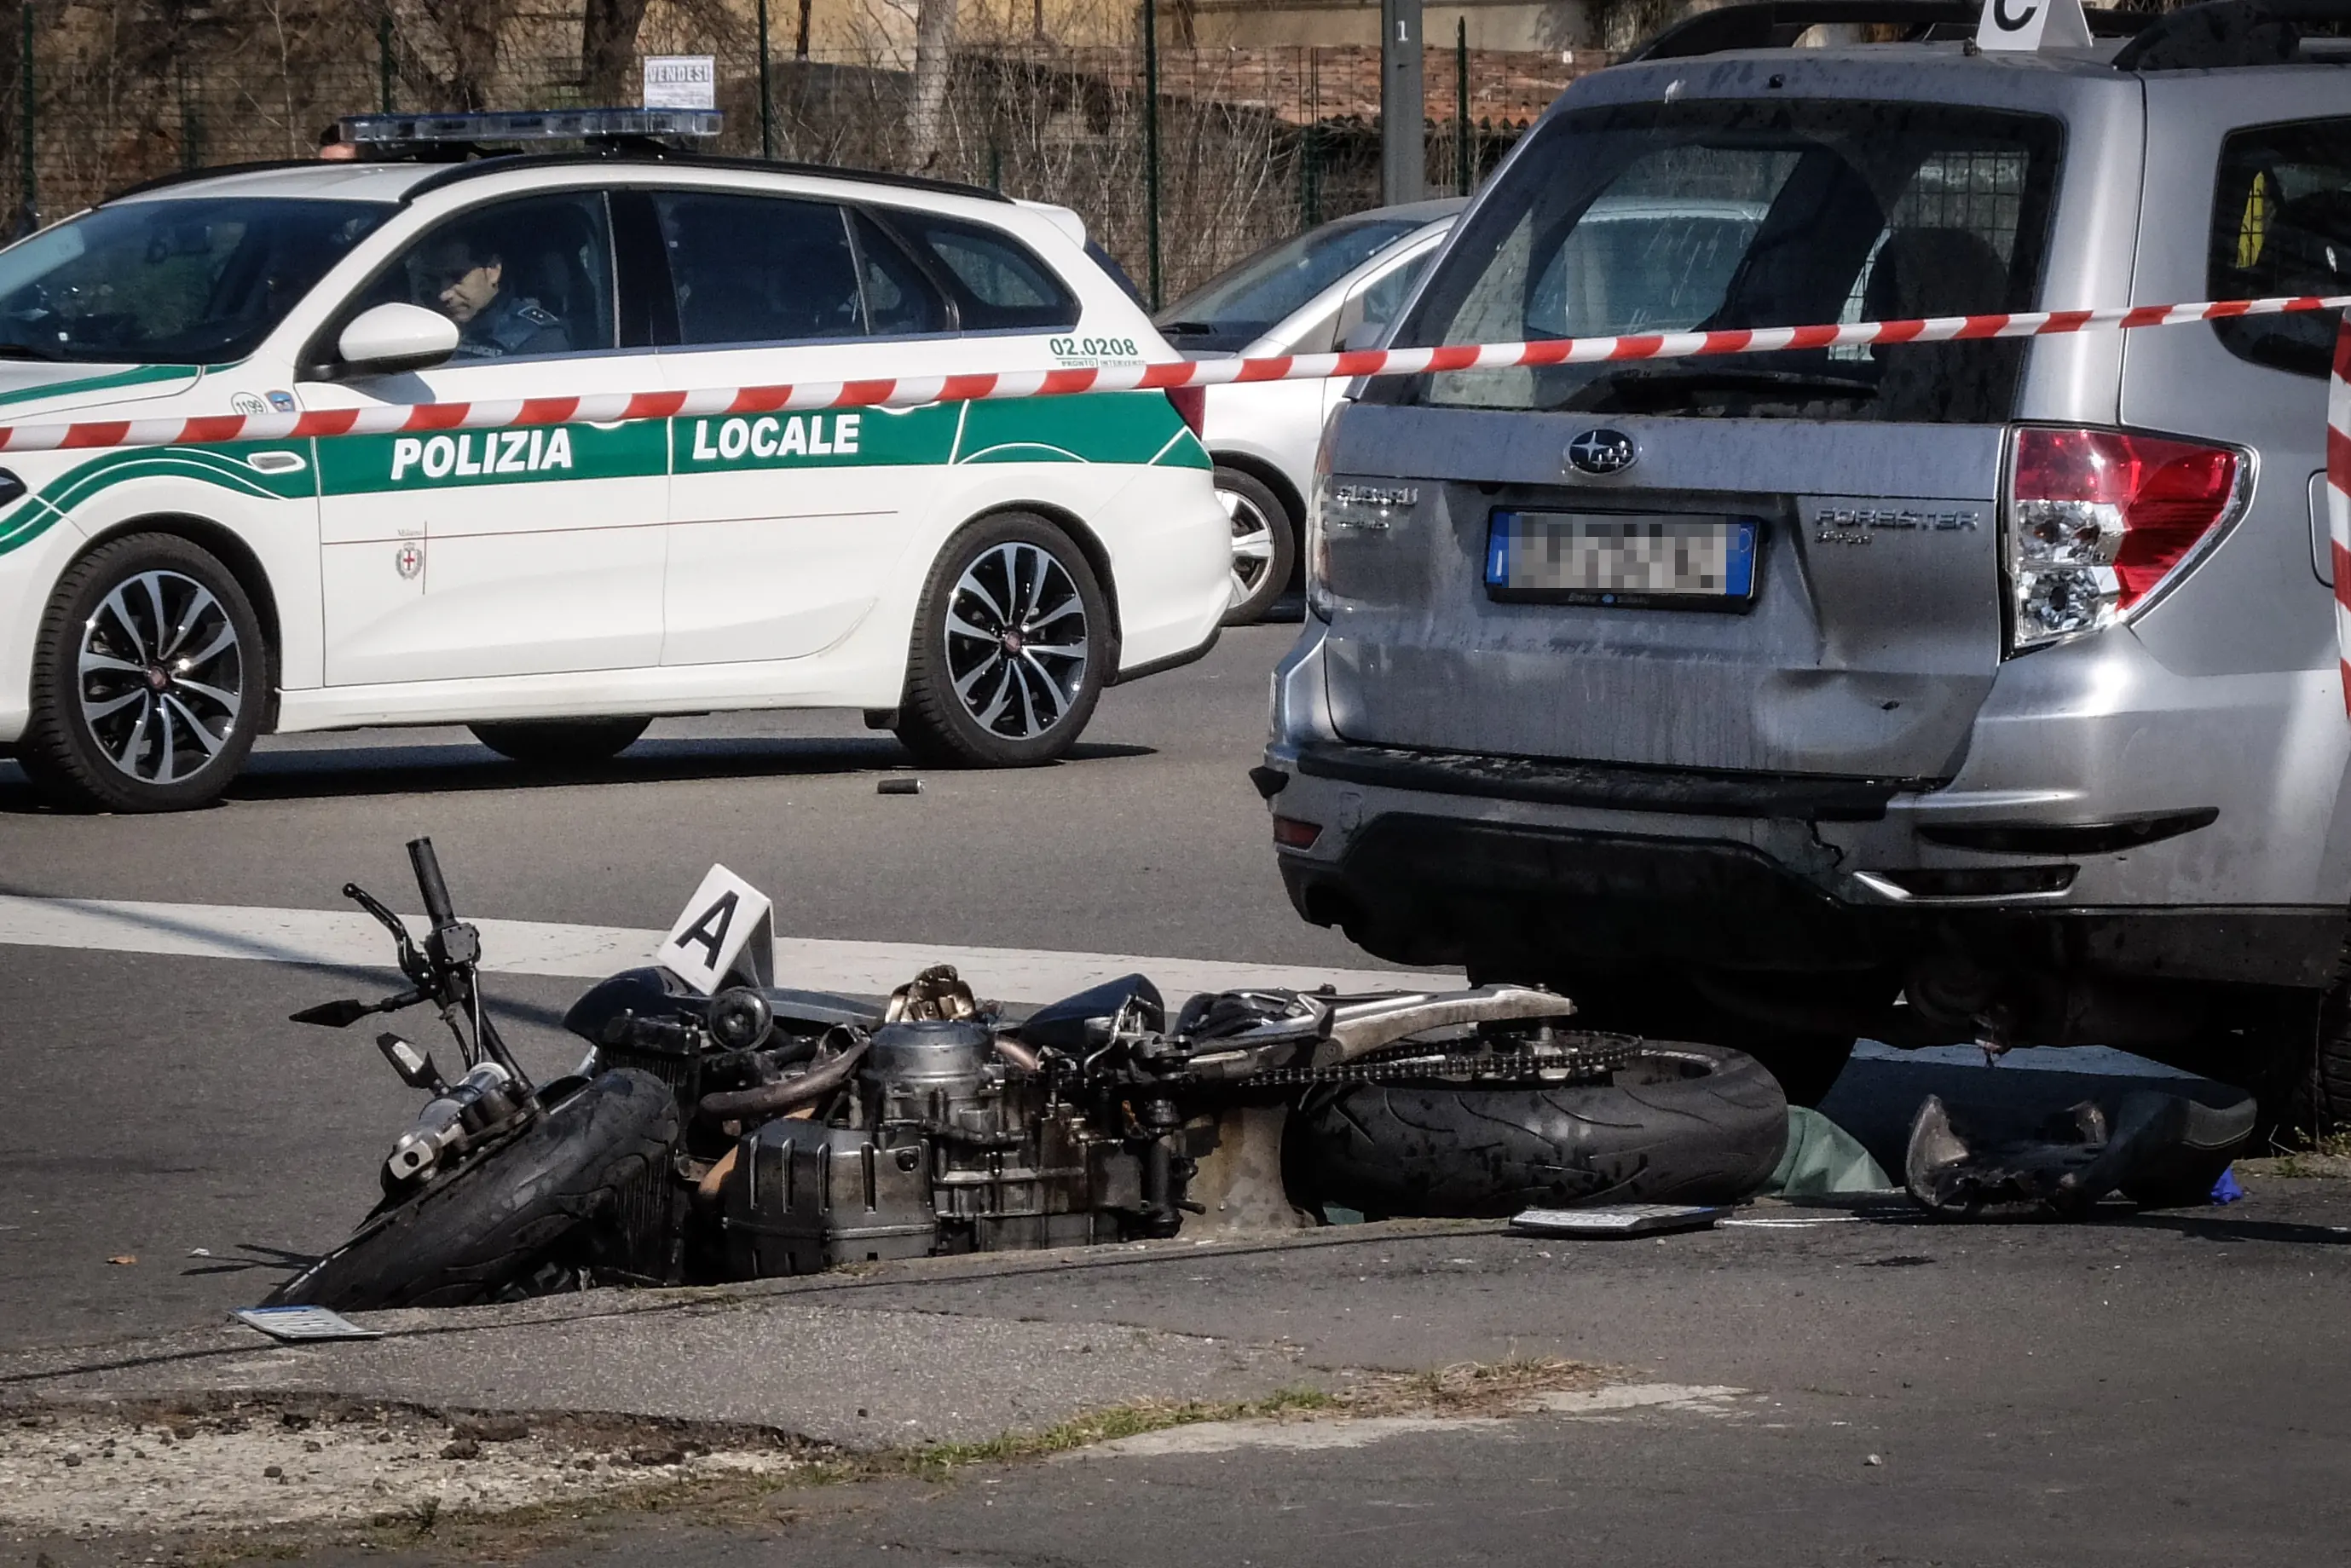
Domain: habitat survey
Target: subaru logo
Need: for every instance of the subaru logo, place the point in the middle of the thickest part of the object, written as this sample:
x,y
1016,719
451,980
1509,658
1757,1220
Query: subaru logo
x,y
1601,451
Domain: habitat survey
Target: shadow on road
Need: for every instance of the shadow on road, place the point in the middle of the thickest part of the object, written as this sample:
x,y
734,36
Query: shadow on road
x,y
317,773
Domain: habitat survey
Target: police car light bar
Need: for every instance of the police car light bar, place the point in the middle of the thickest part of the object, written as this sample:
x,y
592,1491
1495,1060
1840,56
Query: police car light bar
x,y
382,130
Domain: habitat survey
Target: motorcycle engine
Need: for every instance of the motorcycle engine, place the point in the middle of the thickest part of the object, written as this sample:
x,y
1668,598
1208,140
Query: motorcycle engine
x,y
943,1147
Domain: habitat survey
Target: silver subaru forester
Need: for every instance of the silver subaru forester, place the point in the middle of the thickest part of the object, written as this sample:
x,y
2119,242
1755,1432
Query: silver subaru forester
x,y
1984,690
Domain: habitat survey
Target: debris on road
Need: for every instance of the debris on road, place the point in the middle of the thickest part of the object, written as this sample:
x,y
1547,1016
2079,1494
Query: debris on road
x,y
293,1324
899,786
2160,1150
1619,1220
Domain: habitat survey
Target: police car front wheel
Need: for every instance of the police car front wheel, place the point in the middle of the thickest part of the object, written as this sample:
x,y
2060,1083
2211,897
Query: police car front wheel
x,y
1009,648
148,678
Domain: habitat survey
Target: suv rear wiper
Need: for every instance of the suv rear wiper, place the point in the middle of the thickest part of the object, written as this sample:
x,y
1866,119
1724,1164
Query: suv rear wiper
x,y
1651,392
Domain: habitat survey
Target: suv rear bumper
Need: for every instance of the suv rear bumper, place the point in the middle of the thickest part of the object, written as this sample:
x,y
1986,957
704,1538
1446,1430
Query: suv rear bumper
x,y
1841,894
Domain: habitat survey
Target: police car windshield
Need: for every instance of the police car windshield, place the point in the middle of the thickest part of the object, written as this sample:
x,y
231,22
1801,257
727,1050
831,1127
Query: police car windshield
x,y
185,281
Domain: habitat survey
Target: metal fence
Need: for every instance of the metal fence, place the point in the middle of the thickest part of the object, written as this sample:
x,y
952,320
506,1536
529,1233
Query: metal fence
x,y
1182,161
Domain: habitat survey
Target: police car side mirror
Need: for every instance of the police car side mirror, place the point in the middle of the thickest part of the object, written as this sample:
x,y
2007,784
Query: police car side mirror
x,y
386,338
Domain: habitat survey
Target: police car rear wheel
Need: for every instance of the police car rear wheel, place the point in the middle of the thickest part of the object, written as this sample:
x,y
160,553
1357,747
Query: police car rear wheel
x,y
1009,648
560,742
148,678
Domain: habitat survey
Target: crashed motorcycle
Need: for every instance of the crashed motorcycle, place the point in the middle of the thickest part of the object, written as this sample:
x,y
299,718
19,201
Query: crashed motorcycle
x,y
748,1130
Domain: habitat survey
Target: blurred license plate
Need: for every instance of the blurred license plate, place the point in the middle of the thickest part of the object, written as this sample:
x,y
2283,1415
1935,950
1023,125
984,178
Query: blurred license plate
x,y
1622,559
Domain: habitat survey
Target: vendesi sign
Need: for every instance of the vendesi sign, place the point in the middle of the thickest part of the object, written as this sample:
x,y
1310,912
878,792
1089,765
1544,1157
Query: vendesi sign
x,y
685,81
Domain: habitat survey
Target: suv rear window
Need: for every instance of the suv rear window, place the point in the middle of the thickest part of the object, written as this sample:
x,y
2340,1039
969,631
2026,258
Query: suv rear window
x,y
1727,214
2281,225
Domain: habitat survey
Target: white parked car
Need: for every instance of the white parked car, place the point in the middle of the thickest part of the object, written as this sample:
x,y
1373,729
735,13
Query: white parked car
x,y
971,575
1334,285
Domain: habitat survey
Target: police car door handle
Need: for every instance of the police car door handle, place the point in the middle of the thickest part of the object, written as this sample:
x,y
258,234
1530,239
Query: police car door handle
x,y
275,463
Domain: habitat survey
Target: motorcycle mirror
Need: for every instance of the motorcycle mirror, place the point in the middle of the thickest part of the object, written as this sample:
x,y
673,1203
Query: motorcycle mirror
x,y
416,1067
334,1014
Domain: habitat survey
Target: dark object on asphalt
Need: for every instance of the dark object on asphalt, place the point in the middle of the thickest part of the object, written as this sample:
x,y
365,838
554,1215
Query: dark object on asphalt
x,y
1670,1124
2160,1150
899,786
760,1131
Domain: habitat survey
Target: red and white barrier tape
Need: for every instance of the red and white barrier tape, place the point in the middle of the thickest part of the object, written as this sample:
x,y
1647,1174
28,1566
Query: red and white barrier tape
x,y
910,391
2338,497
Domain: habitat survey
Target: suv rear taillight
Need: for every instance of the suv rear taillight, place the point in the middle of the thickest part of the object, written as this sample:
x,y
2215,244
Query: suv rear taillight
x,y
2099,521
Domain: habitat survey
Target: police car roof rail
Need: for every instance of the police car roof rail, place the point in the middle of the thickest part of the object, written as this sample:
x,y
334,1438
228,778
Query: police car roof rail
x,y
1778,23
502,162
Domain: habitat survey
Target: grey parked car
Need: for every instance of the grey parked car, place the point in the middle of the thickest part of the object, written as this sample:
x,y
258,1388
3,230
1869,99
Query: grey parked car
x,y
1980,691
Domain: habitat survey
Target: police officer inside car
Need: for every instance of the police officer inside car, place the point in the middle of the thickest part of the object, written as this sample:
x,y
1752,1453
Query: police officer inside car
x,y
494,321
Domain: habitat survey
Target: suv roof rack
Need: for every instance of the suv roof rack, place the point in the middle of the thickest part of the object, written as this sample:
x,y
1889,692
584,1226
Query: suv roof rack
x,y
2225,33
1778,23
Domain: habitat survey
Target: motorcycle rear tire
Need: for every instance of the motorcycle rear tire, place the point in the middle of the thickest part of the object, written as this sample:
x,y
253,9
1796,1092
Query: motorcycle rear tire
x,y
461,1241
1679,1124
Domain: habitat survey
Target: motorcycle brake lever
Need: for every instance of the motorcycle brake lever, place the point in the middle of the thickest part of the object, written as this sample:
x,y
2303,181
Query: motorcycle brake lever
x,y
412,960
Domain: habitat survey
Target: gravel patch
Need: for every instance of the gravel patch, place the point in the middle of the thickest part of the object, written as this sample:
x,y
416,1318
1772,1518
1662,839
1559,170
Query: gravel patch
x,y
101,1469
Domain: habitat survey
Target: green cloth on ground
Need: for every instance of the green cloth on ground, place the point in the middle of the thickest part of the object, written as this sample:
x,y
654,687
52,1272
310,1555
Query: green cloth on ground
x,y
1823,1161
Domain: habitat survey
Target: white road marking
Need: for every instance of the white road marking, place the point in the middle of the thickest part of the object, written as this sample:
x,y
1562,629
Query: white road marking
x,y
1706,1398
1225,1436
345,939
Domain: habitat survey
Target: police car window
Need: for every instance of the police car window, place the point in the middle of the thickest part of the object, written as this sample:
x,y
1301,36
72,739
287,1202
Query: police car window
x,y
1733,215
185,280
899,300
760,269
520,279
1001,284
2281,225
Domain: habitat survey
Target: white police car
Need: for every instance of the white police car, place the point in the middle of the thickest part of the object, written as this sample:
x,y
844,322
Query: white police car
x,y
970,574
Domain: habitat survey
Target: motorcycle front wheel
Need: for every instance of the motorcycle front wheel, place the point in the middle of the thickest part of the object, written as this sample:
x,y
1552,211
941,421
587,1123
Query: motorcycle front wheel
x,y
462,1240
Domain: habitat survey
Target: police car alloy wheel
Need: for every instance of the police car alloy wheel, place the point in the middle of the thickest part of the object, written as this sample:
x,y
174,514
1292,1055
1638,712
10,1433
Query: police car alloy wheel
x,y
149,677
1009,649
1265,544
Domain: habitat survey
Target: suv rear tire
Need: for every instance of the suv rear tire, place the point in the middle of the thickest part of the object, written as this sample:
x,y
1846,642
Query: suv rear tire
x,y
150,676
1011,647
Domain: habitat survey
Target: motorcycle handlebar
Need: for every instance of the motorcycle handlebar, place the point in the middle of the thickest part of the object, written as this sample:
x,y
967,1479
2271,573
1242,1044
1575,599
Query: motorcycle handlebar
x,y
428,881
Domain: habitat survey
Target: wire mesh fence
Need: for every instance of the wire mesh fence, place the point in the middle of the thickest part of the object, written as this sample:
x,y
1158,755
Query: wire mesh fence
x,y
1252,143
